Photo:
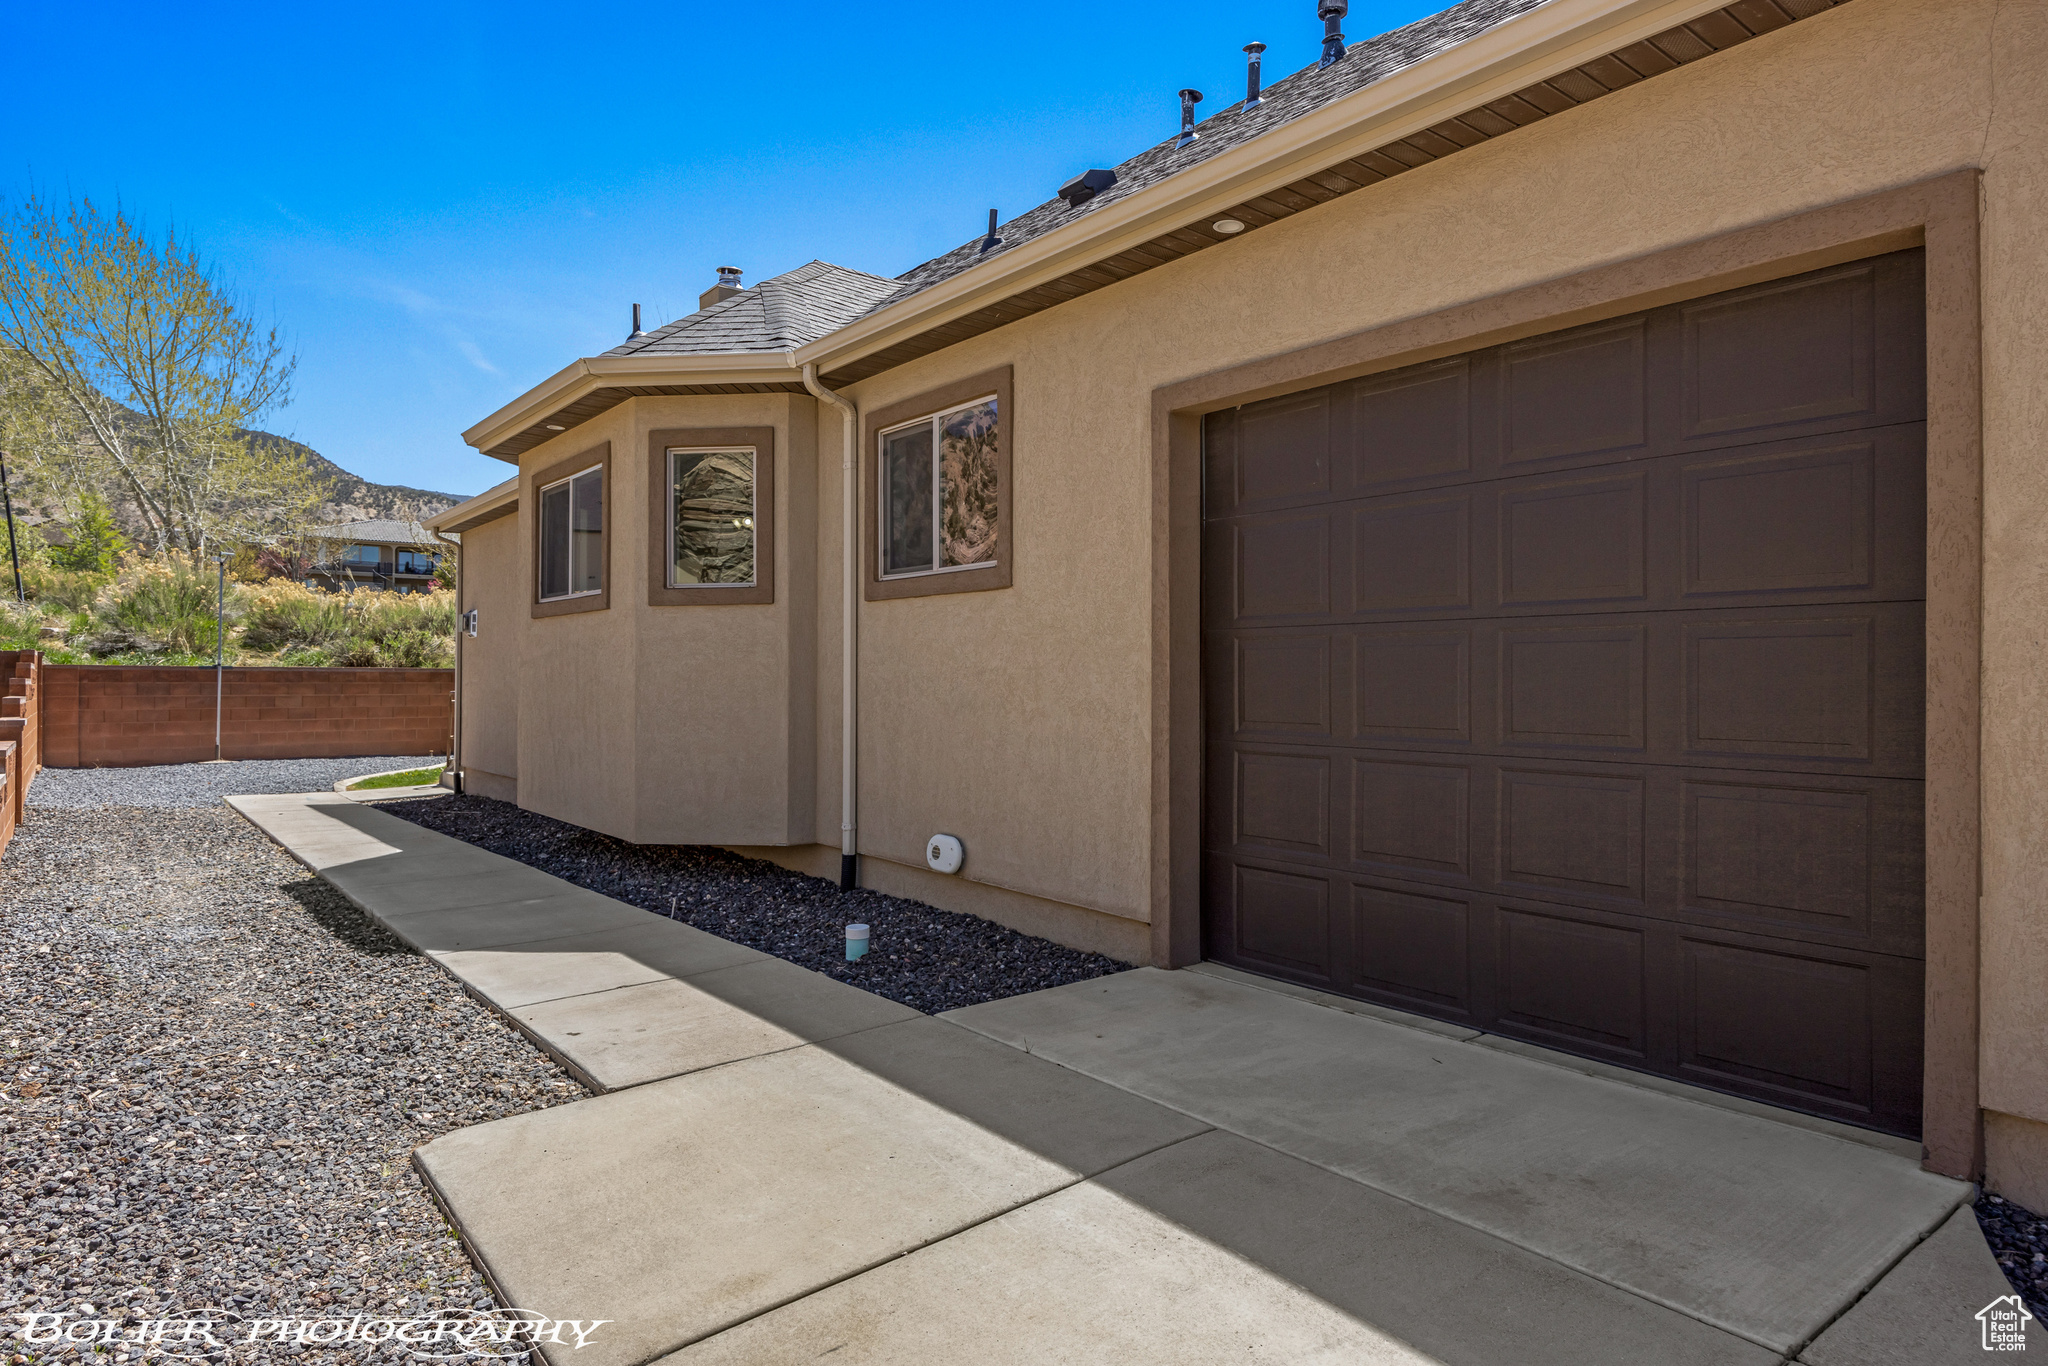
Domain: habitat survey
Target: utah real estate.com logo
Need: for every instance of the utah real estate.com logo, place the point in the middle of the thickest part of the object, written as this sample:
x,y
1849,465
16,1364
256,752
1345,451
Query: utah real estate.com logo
x,y
2005,1322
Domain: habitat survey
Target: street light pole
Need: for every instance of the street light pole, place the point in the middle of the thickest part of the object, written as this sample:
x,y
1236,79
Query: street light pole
x,y
220,638
13,551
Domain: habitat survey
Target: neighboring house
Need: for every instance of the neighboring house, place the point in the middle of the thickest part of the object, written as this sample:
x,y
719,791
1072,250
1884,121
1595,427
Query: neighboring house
x,y
1537,524
385,555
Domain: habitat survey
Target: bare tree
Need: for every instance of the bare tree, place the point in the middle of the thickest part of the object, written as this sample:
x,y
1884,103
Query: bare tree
x,y
133,347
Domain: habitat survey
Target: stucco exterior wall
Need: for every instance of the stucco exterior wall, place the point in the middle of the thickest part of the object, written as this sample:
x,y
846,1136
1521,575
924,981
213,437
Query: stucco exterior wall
x,y
1021,720
675,724
2014,926
490,662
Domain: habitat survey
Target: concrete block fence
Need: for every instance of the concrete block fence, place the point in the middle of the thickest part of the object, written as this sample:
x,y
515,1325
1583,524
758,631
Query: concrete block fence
x,y
21,734
118,716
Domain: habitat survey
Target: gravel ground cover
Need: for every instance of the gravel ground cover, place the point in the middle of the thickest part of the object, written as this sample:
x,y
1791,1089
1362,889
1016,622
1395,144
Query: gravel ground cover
x,y
923,957
2019,1239
200,784
213,1071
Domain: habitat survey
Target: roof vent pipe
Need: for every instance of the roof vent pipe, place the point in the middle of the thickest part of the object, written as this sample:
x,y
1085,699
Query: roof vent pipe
x,y
990,242
1332,13
1252,97
636,332
727,286
1188,100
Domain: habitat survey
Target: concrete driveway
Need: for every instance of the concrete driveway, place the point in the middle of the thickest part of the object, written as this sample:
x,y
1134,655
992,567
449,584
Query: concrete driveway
x,y
1169,1167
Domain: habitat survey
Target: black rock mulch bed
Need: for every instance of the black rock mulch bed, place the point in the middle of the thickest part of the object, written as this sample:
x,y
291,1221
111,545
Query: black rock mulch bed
x,y
2019,1239
918,955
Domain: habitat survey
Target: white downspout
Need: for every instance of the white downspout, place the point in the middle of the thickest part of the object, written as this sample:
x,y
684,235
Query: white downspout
x,y
849,621
461,583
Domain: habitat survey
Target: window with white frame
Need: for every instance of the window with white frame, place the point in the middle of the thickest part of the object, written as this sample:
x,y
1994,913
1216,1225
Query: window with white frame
x,y
572,536
939,492
711,510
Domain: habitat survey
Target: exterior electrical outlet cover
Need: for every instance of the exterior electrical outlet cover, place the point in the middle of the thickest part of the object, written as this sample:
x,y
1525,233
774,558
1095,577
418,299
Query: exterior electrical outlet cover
x,y
944,854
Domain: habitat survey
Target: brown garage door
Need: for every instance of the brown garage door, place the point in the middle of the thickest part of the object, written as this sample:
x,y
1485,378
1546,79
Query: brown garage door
x,y
1572,690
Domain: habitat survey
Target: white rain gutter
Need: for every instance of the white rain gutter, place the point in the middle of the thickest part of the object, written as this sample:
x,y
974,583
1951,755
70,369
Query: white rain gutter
x,y
849,623
454,538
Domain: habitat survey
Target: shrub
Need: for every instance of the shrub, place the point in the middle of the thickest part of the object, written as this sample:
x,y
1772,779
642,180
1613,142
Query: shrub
x,y
157,606
96,542
67,591
358,630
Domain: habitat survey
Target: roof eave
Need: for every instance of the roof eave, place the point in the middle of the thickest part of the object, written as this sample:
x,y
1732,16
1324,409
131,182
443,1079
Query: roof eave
x,y
572,382
1552,38
494,502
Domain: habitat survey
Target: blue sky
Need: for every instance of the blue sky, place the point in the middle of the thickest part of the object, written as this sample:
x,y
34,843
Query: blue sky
x,y
442,204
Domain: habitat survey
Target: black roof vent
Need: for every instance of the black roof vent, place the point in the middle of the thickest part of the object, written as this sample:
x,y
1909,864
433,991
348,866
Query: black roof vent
x,y
1086,186
1188,100
1332,13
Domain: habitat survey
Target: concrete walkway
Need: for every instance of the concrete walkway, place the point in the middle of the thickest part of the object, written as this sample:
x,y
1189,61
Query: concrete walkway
x,y
1153,1167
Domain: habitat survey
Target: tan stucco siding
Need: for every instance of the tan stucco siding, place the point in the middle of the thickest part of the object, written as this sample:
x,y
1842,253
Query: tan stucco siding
x,y
724,699
674,724
490,662
2014,945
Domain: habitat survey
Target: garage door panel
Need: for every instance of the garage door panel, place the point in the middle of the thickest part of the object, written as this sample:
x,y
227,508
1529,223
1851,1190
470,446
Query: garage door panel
x,y
1412,815
1574,690
1283,801
1783,353
1412,685
1779,1020
1282,920
1578,687
1574,981
1833,690
1725,372
1282,566
1573,831
1800,687
1817,519
1836,861
1798,521
1409,427
1283,450
1581,394
1276,684
1572,541
1412,950
1411,555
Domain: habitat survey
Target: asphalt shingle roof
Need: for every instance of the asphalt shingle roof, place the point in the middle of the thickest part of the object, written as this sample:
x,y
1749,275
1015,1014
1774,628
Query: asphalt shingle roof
x,y
778,314
1283,101
815,300
381,530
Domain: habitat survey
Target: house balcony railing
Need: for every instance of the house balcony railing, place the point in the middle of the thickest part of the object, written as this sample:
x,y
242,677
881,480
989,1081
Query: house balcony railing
x,y
383,574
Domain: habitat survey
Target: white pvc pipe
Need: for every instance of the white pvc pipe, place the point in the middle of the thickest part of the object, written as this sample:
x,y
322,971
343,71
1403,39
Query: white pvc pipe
x,y
849,587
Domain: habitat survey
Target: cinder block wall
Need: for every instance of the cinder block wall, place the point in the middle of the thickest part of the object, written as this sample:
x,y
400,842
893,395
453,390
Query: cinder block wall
x,y
21,730
117,716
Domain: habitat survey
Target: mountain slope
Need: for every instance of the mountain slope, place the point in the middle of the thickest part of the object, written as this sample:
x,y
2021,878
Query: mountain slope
x,y
354,499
